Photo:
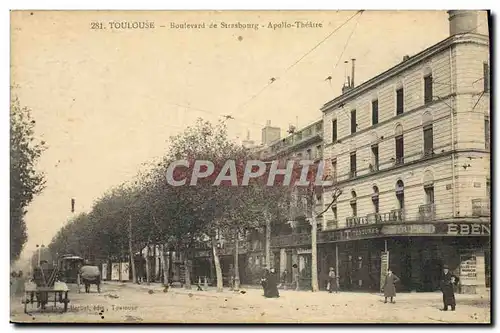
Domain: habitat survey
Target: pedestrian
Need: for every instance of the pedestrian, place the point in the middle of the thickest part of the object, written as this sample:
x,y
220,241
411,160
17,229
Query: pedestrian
x,y
263,281
389,288
332,281
272,285
284,277
447,283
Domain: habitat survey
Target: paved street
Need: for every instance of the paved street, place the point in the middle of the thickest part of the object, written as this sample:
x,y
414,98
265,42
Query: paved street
x,y
120,302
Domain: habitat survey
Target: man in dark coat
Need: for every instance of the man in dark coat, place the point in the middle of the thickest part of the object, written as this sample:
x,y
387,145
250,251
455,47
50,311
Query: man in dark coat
x,y
447,283
390,286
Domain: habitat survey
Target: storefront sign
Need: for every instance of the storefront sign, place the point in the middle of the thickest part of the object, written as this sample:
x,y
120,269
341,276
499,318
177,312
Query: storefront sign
x,y
468,229
384,266
349,234
304,251
468,269
410,229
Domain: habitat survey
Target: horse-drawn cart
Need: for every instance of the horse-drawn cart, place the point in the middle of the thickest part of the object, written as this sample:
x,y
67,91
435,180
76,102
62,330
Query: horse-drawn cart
x,y
43,285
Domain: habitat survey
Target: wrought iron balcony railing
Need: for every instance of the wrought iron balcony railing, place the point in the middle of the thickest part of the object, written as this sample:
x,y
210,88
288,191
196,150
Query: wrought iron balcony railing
x,y
427,212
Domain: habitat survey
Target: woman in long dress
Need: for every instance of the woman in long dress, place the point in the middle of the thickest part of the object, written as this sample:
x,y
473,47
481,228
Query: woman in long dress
x,y
272,285
390,286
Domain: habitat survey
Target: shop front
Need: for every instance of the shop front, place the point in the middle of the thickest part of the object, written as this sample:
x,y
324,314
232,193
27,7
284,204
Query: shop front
x,y
416,252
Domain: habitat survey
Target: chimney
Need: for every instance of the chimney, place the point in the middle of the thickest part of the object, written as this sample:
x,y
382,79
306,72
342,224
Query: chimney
x,y
268,123
406,57
462,21
352,74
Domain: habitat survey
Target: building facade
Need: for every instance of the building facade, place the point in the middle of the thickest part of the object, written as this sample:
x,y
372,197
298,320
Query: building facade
x,y
411,150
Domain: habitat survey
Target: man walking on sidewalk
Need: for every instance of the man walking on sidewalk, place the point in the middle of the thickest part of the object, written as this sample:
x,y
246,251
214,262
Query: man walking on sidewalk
x,y
447,283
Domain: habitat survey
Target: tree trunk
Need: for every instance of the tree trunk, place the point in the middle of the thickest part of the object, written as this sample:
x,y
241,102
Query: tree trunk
x,y
218,270
268,239
155,264
164,265
131,253
314,247
187,271
314,254
147,265
236,262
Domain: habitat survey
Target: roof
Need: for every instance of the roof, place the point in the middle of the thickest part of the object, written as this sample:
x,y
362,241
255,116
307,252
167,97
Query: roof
x,y
402,66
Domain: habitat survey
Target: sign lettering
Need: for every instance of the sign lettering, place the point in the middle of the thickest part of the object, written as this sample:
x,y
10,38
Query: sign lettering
x,y
468,229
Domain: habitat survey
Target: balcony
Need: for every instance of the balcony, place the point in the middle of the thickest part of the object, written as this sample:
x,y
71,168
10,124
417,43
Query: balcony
x,y
428,153
481,207
399,160
427,212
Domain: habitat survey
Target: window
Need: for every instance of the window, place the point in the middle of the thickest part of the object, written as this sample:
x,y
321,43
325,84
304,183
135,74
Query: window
x,y
428,141
375,200
428,89
334,210
486,133
400,194
399,101
353,121
486,77
374,165
353,165
399,150
429,194
308,154
375,112
334,130
334,169
354,205
319,151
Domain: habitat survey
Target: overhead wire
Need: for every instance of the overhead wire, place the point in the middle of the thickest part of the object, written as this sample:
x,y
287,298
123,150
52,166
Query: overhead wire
x,y
274,79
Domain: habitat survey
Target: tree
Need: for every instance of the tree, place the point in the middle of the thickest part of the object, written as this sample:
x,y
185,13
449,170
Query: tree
x,y
25,181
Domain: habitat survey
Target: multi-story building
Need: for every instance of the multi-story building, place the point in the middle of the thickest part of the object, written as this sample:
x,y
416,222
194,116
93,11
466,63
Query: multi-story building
x,y
303,144
411,150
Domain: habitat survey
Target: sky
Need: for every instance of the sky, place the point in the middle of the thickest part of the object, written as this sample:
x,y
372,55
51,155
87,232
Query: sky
x,y
106,101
